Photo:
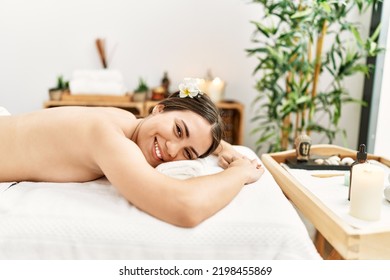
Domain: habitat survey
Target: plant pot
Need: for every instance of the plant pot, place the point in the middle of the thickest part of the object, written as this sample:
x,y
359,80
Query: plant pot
x,y
139,96
55,94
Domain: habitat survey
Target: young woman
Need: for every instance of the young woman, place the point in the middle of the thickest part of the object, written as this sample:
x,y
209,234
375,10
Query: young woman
x,y
78,144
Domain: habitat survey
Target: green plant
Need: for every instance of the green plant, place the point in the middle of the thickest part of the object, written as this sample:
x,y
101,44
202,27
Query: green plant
x,y
61,84
142,86
292,57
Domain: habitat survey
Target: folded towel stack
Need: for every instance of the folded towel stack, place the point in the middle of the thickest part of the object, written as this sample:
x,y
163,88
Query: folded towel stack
x,y
183,169
4,112
102,81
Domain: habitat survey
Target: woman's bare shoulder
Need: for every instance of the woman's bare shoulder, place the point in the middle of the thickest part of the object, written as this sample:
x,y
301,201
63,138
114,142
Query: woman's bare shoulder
x,y
78,120
83,115
115,111
94,111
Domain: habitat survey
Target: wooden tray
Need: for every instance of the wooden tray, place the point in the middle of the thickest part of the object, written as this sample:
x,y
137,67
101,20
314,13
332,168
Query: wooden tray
x,y
347,242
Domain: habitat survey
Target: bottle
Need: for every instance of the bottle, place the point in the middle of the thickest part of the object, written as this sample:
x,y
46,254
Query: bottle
x,y
165,83
361,157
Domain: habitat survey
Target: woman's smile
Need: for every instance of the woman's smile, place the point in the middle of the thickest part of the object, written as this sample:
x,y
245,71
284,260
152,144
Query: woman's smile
x,y
157,150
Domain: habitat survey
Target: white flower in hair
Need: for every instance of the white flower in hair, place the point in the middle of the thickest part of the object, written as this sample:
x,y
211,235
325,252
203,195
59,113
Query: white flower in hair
x,y
189,88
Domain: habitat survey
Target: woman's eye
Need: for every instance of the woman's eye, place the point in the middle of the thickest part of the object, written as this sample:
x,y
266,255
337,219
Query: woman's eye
x,y
178,129
188,154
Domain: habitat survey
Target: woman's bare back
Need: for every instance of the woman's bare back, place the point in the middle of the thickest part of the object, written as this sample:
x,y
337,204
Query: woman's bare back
x,y
56,144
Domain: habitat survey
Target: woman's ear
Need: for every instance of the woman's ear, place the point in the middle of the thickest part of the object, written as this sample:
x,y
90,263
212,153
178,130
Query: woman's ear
x,y
158,109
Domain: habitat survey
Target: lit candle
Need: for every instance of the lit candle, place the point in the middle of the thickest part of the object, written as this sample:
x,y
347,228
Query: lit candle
x,y
203,85
367,191
216,90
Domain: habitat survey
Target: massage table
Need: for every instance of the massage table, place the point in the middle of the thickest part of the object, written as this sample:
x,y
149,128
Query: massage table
x,y
91,220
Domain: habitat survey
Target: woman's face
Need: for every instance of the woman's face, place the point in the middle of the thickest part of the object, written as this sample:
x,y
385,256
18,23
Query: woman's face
x,y
174,135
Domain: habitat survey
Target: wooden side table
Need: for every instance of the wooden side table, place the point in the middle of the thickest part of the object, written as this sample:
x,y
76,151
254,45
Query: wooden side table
x,y
348,242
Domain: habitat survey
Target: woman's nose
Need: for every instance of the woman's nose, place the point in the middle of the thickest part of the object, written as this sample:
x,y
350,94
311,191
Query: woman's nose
x,y
173,148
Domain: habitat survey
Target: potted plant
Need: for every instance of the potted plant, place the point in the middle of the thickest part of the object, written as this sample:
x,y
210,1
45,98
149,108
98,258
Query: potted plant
x,y
141,92
61,88
292,59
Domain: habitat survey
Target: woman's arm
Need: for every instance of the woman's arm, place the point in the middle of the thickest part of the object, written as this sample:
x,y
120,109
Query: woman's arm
x,y
180,202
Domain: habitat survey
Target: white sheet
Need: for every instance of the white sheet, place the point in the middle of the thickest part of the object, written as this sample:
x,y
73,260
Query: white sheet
x,y
92,221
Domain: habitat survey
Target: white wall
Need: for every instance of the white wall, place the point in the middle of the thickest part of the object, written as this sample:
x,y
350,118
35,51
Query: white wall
x,y
40,39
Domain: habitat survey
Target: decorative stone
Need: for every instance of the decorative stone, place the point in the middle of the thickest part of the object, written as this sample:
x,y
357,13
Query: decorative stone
x,y
347,161
335,158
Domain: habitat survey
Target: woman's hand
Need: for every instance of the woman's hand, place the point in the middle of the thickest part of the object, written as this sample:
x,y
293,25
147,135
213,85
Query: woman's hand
x,y
227,156
252,169
226,153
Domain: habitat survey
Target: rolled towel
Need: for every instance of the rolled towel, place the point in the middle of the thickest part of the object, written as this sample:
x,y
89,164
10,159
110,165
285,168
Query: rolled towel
x,y
4,112
97,82
99,75
83,86
182,169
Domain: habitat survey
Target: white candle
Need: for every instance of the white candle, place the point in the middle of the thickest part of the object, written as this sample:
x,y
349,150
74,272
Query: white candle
x,y
203,85
216,90
367,191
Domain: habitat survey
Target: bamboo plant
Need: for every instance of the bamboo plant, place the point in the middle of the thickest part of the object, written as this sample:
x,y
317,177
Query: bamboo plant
x,y
296,44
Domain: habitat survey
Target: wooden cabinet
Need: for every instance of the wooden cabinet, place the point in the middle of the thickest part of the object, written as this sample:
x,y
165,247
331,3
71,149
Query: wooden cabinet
x,y
232,112
233,117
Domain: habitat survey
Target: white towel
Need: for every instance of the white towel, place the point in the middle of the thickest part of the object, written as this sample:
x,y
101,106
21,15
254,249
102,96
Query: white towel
x,y
99,75
84,86
182,169
97,82
4,112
